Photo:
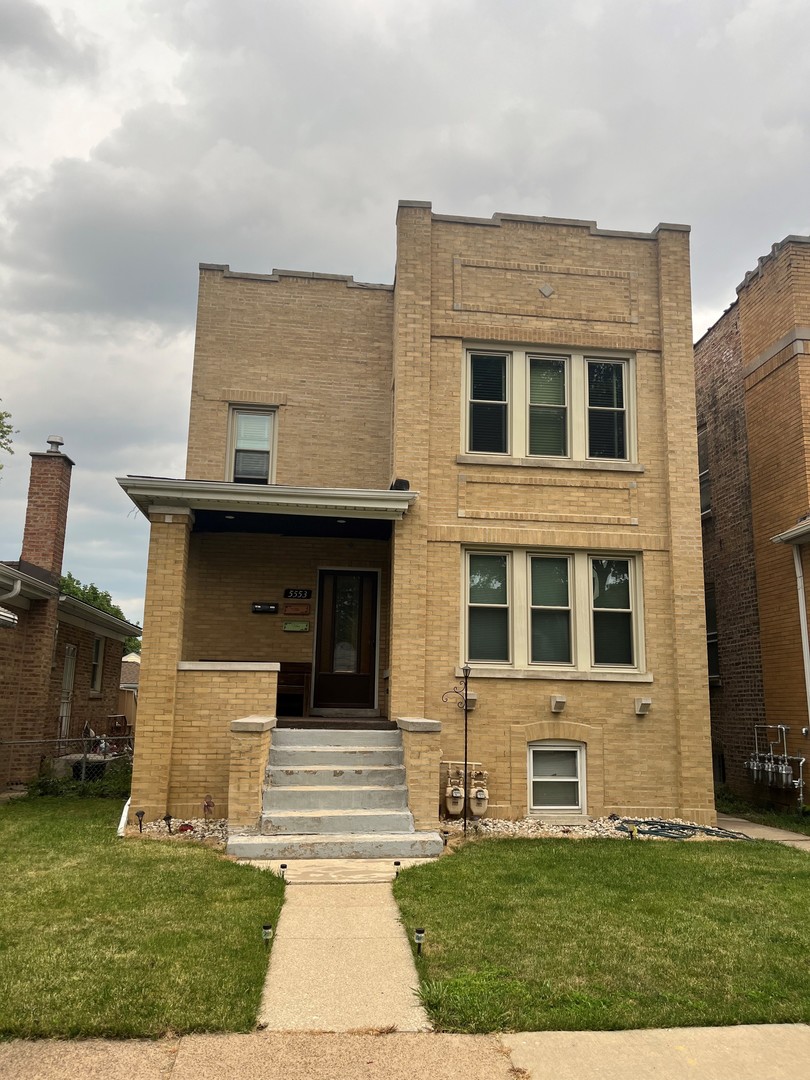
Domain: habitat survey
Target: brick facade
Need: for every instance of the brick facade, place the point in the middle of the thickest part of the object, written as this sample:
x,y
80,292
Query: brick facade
x,y
33,651
737,700
367,385
753,382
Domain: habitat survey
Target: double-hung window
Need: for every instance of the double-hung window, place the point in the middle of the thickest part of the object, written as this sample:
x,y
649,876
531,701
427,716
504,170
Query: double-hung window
x,y
557,776
536,610
252,445
538,406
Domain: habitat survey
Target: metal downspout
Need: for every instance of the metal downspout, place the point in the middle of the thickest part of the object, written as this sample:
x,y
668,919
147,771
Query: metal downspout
x,y
797,562
15,591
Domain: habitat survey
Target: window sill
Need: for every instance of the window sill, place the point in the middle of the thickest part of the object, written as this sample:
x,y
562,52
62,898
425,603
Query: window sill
x,y
605,465
95,694
556,674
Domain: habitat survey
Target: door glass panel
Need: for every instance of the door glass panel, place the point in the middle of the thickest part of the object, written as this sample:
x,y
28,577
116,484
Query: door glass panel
x,y
347,623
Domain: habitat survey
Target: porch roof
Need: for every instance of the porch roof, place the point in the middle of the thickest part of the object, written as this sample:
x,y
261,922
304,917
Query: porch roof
x,y
155,492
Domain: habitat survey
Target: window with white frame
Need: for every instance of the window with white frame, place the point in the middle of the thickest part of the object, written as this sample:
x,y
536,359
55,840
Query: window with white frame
x,y
557,777
252,434
556,610
536,404
97,665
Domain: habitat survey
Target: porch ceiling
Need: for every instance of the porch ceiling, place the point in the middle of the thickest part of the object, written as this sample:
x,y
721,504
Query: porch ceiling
x,y
154,493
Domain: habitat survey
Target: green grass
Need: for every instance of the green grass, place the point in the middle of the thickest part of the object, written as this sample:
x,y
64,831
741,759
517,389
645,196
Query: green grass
x,y
729,803
540,935
107,937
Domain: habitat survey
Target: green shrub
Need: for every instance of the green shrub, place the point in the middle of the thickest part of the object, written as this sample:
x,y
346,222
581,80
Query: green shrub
x,y
115,783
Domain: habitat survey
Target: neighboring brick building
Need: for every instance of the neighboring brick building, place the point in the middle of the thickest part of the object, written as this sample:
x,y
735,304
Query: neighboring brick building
x,y
492,461
60,659
753,410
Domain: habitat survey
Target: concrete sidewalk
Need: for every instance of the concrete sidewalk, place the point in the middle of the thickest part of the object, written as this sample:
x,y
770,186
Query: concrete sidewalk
x,y
778,1052
763,832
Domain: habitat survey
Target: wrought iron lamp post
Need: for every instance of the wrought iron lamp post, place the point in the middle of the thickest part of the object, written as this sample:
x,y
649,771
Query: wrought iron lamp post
x,y
462,693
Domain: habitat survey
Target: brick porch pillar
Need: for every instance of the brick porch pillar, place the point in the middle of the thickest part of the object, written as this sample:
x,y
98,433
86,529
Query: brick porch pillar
x,y
162,651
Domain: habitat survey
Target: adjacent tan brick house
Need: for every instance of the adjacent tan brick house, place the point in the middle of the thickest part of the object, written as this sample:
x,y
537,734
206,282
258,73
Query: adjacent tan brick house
x,y
490,462
753,409
60,659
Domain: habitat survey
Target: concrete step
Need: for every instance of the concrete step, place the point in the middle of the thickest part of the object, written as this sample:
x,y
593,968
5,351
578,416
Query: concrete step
x,y
411,845
302,823
339,797
302,757
318,736
377,775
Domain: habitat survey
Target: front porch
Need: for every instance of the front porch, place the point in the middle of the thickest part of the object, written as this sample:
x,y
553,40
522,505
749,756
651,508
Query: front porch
x,y
263,603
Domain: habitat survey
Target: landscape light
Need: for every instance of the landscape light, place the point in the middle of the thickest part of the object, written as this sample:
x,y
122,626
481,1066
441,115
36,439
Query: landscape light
x,y
139,815
396,867
267,933
168,819
419,937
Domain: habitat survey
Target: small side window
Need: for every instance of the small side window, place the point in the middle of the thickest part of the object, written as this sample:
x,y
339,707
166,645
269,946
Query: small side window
x,y
252,446
97,667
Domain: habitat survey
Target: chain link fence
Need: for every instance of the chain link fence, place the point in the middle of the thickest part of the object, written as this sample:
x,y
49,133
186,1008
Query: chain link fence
x,y
56,766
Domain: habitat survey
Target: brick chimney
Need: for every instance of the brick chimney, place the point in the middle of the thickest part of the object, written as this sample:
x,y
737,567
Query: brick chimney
x,y
46,515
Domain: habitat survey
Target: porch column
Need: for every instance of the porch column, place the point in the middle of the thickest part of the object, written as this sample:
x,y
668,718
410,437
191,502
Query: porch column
x,y
422,754
250,747
162,650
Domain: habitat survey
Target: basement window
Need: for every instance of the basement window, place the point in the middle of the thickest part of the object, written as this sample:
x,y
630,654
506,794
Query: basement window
x,y
557,777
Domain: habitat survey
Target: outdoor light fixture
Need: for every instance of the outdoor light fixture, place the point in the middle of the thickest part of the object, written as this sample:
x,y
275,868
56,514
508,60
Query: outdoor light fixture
x,y
445,836
267,933
396,867
282,868
168,819
419,937
139,815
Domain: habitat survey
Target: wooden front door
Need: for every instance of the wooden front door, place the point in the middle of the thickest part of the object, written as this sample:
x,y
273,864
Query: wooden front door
x,y
346,644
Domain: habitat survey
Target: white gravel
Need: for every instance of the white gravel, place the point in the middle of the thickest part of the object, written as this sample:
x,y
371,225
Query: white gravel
x,y
216,829
608,828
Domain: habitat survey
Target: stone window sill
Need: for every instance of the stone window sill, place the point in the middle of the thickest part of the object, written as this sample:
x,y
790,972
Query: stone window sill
x,y
548,463
556,675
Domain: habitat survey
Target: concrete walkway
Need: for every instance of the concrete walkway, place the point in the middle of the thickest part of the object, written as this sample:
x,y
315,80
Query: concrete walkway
x,y
340,959
764,832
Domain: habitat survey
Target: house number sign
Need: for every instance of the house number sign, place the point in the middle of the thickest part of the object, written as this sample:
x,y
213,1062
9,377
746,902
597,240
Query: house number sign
x,y
298,594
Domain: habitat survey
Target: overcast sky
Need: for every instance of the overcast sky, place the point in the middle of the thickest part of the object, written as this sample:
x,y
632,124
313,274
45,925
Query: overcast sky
x,y
141,137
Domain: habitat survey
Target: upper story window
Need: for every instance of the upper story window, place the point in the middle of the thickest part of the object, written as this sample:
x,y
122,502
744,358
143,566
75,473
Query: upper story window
x,y
533,404
252,445
8,618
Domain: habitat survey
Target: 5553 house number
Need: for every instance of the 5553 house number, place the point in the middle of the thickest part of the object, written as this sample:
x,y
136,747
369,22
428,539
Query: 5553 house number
x,y
298,594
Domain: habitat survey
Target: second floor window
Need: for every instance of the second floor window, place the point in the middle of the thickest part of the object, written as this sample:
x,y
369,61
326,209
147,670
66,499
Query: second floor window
x,y
534,405
252,446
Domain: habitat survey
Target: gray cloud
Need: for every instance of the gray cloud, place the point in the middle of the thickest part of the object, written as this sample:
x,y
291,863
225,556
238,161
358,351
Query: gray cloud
x,y
291,131
30,39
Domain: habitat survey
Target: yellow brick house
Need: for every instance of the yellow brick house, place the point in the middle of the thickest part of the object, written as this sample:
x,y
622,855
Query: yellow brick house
x,y
490,463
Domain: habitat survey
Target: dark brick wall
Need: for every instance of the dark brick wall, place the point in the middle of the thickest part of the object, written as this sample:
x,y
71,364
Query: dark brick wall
x,y
728,548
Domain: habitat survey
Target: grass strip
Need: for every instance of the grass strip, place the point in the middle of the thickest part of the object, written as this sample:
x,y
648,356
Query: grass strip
x,y
101,936
534,935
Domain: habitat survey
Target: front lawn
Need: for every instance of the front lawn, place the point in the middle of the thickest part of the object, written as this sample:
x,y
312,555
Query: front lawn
x,y
108,937
534,935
